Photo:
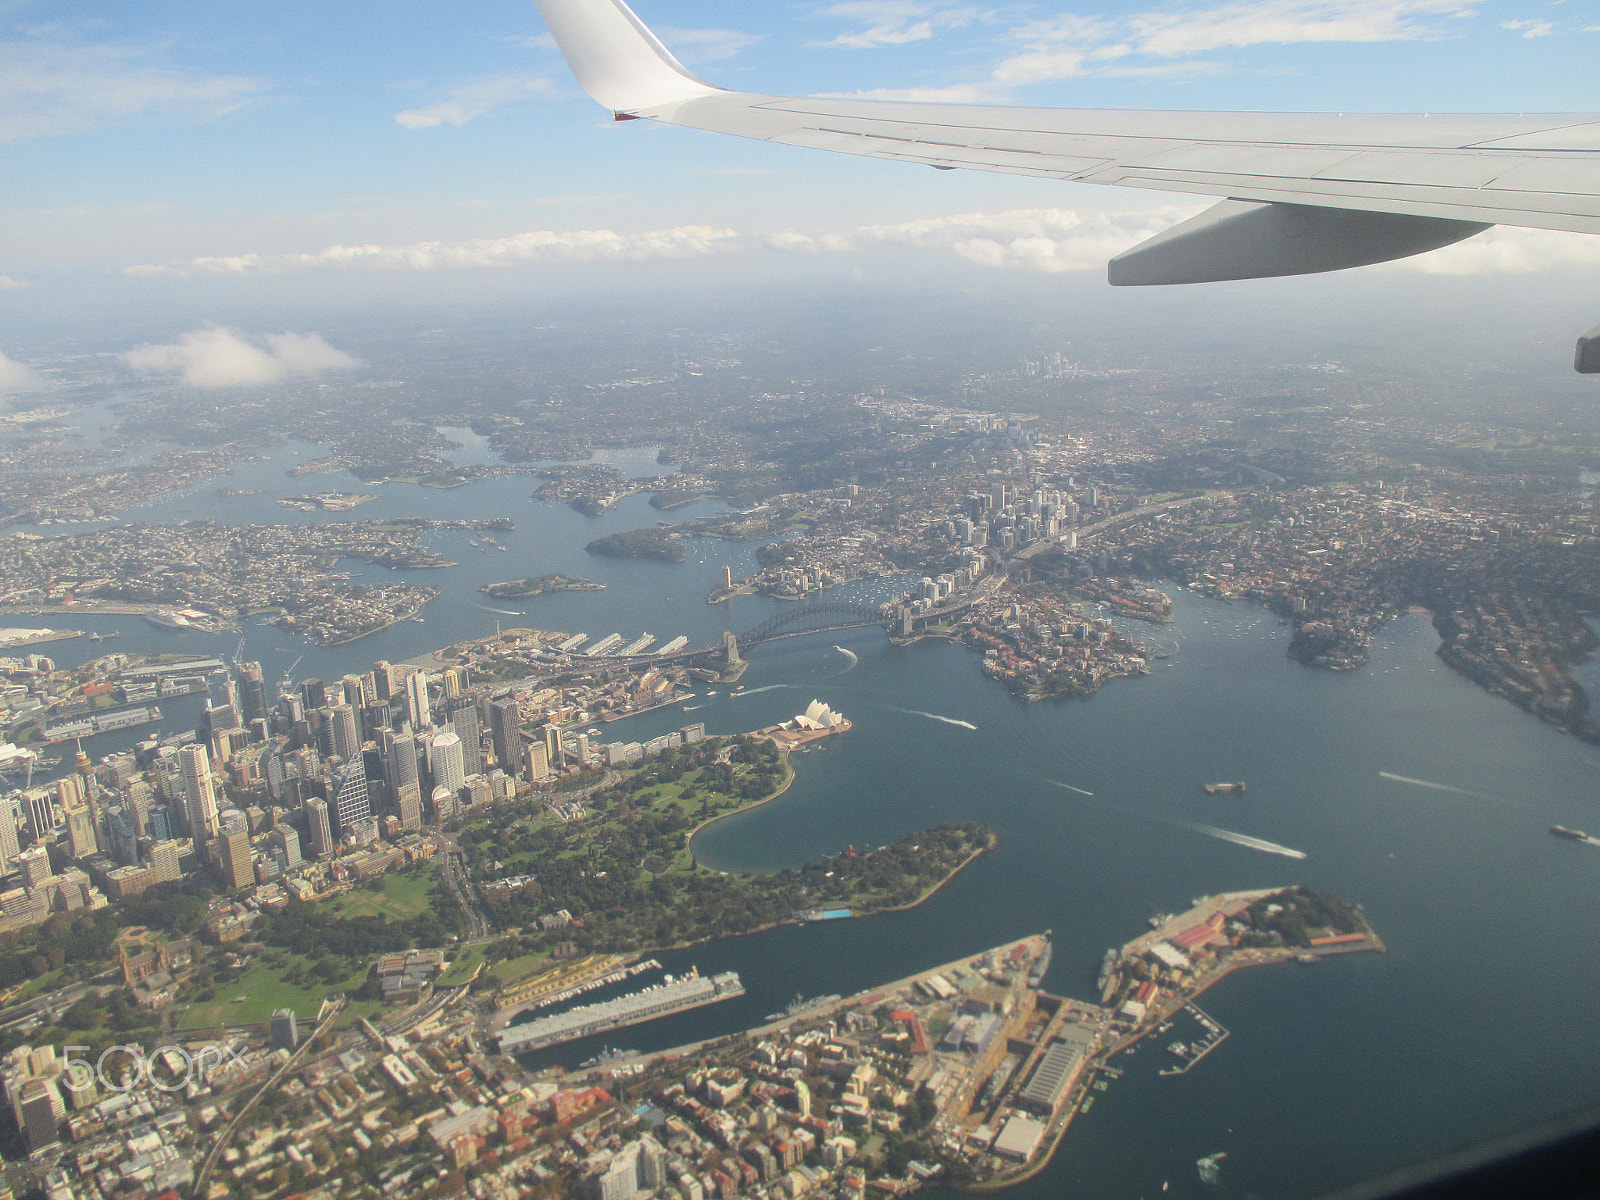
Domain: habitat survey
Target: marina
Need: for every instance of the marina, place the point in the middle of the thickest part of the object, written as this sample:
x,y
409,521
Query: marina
x,y
1188,1053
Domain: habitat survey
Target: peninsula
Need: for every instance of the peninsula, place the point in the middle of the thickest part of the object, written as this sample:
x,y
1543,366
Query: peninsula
x,y
966,1074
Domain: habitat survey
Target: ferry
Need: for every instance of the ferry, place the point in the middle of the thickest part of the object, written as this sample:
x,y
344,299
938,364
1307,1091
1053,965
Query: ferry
x,y
1223,789
1576,835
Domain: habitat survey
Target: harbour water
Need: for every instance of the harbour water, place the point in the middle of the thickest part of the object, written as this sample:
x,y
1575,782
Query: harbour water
x,y
1478,1021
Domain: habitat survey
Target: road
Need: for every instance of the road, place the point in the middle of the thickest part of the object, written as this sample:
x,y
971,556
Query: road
x,y
459,881
289,1064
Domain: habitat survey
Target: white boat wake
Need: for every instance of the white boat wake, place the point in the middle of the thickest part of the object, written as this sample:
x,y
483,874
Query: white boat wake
x,y
1438,787
504,612
917,712
1243,839
851,665
1459,791
1068,786
771,687
692,707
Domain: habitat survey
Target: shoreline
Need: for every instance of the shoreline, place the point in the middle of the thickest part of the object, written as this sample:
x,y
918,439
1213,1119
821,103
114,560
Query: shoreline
x,y
688,843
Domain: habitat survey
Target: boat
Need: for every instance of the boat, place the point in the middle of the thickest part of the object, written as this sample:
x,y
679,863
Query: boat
x,y
104,637
1040,966
607,1056
1108,967
797,1006
1223,789
1576,835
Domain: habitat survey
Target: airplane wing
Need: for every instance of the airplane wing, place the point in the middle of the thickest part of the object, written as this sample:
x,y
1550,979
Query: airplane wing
x,y
1300,193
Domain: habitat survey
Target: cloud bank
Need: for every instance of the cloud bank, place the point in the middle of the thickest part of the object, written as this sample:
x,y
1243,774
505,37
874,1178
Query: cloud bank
x,y
1050,240
8,284
539,246
18,377
215,358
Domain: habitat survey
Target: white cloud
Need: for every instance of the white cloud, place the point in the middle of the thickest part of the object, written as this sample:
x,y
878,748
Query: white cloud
x,y
1247,23
18,377
477,98
540,246
51,86
1032,239
1504,250
895,22
1073,45
706,45
8,284
955,93
1051,240
1530,29
214,358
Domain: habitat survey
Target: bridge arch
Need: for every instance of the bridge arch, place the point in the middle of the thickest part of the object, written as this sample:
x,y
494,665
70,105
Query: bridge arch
x,y
799,619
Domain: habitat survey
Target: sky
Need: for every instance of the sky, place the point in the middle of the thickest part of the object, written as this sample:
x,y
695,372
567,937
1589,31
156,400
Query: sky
x,y
148,148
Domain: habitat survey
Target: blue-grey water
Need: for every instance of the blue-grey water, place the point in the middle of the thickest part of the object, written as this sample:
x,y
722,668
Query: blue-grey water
x,y
1478,1021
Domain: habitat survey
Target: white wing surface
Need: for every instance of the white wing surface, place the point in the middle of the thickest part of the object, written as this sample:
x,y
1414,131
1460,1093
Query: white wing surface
x,y
1300,192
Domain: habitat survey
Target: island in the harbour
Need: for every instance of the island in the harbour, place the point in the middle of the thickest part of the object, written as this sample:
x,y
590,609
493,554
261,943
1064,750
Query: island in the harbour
x,y
328,501
518,589
658,544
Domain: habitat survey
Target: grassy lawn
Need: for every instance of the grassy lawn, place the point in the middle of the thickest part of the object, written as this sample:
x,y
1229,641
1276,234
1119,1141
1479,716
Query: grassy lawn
x,y
404,895
461,971
522,967
264,992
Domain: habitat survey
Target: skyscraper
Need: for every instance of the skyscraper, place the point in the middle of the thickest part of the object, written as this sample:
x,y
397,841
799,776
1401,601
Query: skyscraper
x,y
538,762
164,858
315,694
408,798
287,843
463,712
385,681
252,692
42,814
402,755
417,699
350,803
505,727
199,794
318,826
236,866
445,761
345,738
81,837
10,819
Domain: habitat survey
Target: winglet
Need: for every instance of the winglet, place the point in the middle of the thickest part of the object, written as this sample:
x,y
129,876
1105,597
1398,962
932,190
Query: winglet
x,y
616,59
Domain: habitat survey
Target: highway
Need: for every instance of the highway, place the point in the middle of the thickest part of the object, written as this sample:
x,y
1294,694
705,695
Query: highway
x,y
1111,522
